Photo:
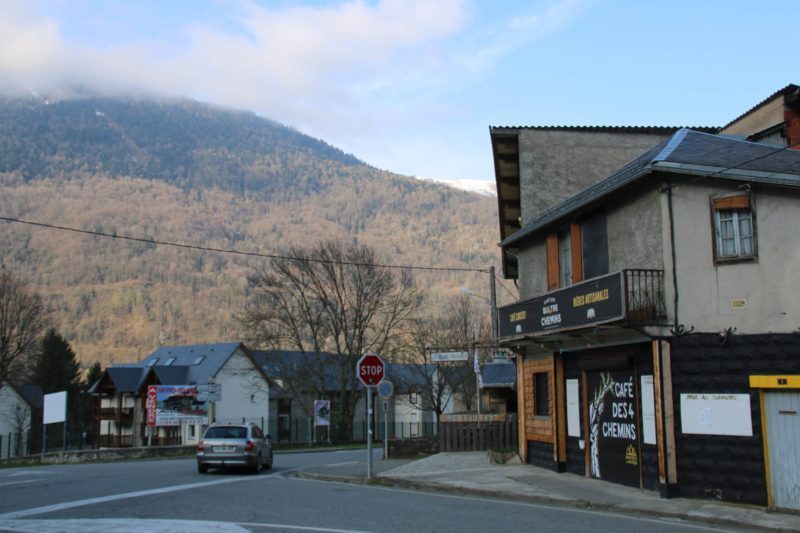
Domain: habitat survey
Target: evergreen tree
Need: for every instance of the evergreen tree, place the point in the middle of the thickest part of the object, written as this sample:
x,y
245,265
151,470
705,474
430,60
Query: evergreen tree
x,y
94,373
55,368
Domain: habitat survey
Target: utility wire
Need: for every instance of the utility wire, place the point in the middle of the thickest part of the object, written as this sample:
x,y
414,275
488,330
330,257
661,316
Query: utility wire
x,y
235,252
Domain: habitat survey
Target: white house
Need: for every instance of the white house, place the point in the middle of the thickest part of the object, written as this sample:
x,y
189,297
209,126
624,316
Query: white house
x,y
20,411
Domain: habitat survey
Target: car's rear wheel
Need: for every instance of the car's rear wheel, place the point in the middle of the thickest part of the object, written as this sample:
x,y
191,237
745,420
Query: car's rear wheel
x,y
257,467
202,468
268,465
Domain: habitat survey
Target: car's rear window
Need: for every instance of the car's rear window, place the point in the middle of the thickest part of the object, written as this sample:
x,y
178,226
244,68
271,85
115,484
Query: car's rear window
x,y
232,432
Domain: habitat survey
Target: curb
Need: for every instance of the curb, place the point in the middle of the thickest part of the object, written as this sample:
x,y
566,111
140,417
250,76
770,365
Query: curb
x,y
555,502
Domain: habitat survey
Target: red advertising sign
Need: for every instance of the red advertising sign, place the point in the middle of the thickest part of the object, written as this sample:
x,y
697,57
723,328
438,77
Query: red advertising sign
x,y
151,405
370,369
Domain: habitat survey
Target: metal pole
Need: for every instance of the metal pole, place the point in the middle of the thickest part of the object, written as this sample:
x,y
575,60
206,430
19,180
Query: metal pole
x,y
493,302
385,429
369,432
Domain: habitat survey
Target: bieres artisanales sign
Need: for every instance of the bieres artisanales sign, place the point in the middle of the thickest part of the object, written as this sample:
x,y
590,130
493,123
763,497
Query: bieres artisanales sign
x,y
592,302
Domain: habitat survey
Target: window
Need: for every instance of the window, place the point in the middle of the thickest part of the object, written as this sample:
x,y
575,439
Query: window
x,y
564,262
152,361
564,259
734,228
198,359
541,394
169,361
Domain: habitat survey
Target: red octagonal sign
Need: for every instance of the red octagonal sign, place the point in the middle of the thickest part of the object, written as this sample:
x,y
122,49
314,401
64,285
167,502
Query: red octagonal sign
x,y
370,369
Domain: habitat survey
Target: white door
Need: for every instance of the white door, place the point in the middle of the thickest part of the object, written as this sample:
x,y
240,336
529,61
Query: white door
x,y
783,435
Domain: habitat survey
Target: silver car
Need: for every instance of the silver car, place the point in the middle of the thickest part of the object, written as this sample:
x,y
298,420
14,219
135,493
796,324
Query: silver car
x,y
234,445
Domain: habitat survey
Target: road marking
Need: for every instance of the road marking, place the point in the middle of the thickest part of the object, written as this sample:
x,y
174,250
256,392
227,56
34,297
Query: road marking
x,y
19,482
300,528
115,497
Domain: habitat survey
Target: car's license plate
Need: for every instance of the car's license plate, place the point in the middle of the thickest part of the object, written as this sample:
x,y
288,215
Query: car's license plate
x,y
224,448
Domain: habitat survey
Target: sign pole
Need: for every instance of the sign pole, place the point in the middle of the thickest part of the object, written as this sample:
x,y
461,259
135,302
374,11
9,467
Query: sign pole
x,y
385,429
369,432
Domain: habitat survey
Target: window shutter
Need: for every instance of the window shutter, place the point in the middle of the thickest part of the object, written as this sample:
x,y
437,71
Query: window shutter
x,y
552,261
577,253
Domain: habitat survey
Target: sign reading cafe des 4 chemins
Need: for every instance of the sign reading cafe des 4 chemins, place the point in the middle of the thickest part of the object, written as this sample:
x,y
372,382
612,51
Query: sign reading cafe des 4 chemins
x,y
592,302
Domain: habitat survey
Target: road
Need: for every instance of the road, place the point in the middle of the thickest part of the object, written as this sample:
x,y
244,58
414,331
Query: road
x,y
169,495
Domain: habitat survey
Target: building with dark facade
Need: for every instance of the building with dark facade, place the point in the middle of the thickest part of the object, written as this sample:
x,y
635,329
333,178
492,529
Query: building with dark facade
x,y
656,333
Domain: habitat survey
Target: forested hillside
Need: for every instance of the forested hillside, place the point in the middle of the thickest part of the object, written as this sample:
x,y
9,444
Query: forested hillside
x,y
190,173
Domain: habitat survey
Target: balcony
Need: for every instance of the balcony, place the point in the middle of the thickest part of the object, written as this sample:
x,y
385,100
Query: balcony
x,y
632,295
116,413
644,295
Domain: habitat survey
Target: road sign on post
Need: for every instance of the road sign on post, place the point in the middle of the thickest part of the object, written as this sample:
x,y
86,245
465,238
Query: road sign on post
x,y
370,369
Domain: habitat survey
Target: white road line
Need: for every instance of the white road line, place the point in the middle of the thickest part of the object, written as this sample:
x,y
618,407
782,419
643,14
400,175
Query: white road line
x,y
300,528
19,482
115,497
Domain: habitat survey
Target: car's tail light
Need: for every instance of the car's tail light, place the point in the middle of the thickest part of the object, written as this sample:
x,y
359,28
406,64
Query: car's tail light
x,y
200,446
248,447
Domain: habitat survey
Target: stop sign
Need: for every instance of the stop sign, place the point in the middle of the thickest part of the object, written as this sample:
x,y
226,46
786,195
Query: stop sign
x,y
370,369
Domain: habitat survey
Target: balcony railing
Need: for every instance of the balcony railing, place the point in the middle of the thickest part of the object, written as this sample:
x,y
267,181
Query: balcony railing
x,y
116,413
644,295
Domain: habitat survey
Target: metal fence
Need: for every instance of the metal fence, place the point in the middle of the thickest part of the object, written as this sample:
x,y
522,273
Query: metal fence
x,y
301,430
472,435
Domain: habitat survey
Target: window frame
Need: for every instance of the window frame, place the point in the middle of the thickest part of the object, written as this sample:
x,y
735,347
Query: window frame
x,y
537,412
736,205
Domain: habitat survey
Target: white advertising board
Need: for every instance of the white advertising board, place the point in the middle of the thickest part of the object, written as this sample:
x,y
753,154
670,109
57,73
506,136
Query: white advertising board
x,y
716,414
55,407
573,409
648,411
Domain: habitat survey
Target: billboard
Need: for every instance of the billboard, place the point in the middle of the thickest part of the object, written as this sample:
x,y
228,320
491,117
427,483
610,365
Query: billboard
x,y
174,405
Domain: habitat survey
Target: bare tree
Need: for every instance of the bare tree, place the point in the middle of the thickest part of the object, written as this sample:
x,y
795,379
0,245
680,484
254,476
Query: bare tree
x,y
22,320
332,299
457,329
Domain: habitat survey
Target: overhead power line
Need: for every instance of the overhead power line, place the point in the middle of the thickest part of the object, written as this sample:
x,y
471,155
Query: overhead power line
x,y
234,252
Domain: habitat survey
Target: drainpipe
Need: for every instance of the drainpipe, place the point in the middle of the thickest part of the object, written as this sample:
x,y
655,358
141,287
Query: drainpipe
x,y
672,249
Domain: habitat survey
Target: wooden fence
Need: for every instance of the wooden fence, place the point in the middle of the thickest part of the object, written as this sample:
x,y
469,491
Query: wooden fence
x,y
466,433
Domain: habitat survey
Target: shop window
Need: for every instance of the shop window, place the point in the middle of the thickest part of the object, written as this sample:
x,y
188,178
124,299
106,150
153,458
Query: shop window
x,y
541,394
734,229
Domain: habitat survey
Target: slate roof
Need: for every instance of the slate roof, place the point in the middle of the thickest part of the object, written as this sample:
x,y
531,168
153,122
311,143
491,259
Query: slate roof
x,y
190,365
499,374
32,394
686,152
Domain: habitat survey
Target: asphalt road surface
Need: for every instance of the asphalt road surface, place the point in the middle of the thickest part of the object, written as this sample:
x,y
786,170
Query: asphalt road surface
x,y
169,495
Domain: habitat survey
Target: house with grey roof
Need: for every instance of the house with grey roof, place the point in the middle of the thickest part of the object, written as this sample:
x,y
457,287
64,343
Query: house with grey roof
x,y
20,412
121,393
656,333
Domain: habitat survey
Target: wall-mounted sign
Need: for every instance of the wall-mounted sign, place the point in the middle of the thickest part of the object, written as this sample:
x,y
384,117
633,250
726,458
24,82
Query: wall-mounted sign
x,y
592,302
716,414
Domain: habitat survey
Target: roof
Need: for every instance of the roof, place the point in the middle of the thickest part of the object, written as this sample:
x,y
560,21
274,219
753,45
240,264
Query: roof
x,y
125,378
660,130
32,394
187,365
499,374
686,152
790,90
200,361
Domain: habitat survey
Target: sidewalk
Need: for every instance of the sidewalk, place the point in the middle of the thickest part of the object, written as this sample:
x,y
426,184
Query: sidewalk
x,y
472,473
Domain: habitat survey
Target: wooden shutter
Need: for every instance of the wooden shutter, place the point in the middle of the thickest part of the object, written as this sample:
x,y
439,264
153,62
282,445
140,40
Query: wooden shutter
x,y
741,201
552,262
577,252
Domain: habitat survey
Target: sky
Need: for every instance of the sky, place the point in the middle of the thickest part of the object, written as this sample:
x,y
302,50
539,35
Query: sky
x,y
413,86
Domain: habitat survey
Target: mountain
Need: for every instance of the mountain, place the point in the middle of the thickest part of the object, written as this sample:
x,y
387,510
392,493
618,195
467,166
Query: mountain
x,y
184,172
